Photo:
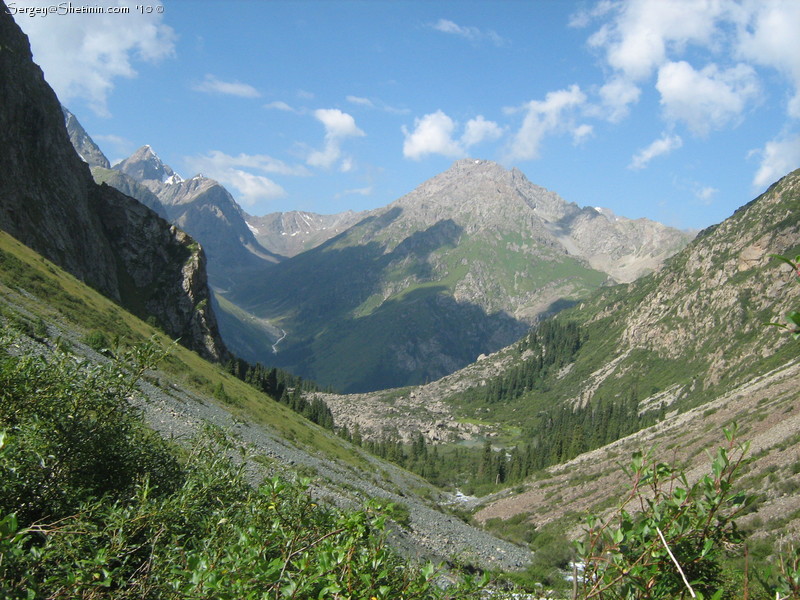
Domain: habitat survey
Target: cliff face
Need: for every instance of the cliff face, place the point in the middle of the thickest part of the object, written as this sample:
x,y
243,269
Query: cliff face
x,y
49,202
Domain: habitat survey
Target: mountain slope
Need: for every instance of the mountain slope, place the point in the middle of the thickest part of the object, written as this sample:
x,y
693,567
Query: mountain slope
x,y
204,209
89,152
677,339
290,233
49,201
461,266
178,400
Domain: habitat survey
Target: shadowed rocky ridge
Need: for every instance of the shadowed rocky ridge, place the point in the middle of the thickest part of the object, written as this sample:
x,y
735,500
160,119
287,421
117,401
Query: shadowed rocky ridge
x,y
49,201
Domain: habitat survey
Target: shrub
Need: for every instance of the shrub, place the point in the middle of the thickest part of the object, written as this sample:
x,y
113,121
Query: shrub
x,y
94,505
668,538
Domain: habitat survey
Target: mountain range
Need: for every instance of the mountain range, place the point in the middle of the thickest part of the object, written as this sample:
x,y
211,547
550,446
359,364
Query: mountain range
x,y
643,348
102,246
461,266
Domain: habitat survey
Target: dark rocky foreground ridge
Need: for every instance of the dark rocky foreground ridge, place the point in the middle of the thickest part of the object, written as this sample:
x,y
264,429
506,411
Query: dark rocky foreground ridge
x,y
49,201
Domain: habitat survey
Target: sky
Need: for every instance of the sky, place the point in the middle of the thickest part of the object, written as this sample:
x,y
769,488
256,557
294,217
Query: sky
x,y
675,110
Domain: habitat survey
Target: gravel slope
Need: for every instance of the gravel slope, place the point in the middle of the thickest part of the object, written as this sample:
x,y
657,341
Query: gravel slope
x,y
180,414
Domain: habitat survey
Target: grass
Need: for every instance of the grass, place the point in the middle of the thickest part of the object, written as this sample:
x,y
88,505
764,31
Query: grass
x,y
53,294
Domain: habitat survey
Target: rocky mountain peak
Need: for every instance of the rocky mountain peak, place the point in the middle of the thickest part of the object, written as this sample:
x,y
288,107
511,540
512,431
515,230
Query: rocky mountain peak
x,y
145,165
83,144
478,193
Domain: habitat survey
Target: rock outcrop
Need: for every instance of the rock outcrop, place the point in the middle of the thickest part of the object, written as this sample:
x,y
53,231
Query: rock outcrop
x,y
49,201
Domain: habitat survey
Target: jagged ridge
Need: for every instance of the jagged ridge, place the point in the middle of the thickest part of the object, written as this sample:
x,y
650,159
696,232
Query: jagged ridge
x,y
49,201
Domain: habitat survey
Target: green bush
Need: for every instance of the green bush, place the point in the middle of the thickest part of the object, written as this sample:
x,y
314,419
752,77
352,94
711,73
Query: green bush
x,y
668,539
94,505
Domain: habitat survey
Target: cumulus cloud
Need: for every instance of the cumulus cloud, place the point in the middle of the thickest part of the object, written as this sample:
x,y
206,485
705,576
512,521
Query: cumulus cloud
x,y
707,99
616,96
544,117
470,33
81,57
478,130
212,85
434,134
638,39
768,37
778,158
661,146
338,127
252,188
236,172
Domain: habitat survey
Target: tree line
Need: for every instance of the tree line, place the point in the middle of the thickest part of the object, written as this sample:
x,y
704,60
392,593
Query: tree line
x,y
284,387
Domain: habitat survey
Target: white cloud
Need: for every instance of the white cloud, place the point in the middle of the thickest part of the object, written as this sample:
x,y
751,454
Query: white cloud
x,y
705,193
778,158
583,17
361,101
642,33
81,57
581,133
664,145
279,105
706,99
118,144
553,114
434,134
212,85
616,96
768,36
478,130
252,188
216,160
236,172
338,126
470,33
640,37
376,104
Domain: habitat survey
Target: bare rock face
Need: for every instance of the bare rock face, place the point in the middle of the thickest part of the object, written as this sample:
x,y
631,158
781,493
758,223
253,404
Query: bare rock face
x,y
83,144
290,233
49,201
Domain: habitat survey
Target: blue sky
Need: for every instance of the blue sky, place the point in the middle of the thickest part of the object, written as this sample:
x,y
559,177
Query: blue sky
x,y
679,111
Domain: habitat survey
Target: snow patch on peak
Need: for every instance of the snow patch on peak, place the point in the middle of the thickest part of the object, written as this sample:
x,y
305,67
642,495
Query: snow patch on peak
x,y
173,179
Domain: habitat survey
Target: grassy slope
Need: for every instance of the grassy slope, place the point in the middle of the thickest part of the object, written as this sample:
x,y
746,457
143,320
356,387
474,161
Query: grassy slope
x,y
686,334
58,295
